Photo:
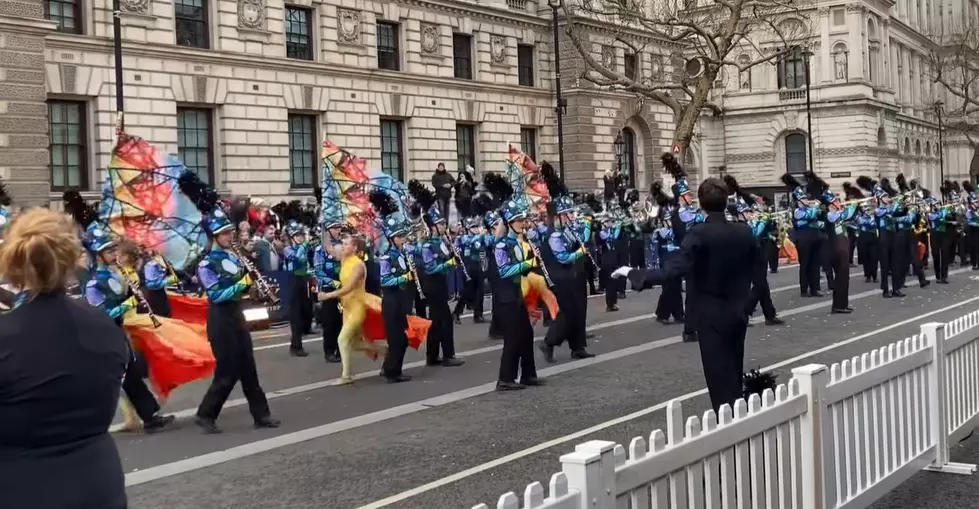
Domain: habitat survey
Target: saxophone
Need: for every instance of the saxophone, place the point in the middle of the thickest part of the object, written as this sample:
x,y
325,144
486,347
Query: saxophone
x,y
140,298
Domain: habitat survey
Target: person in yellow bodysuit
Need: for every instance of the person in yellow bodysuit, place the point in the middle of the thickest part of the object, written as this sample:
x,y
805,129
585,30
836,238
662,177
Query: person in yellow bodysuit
x,y
354,301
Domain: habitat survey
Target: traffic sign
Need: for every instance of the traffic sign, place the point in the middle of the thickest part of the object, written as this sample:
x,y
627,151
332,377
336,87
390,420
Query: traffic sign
x,y
676,148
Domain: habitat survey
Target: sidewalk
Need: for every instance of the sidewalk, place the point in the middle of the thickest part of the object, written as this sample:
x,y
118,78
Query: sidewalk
x,y
930,490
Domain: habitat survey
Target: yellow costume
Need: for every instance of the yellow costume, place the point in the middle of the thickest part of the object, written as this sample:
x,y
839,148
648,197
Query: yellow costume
x,y
354,307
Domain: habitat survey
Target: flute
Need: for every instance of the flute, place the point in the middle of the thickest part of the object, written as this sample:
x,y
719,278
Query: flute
x,y
134,288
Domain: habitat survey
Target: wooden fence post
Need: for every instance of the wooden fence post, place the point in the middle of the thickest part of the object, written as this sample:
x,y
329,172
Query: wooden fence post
x,y
934,333
590,470
817,493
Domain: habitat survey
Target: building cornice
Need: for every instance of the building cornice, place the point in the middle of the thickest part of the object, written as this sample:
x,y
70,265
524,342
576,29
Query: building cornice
x,y
487,12
28,26
224,58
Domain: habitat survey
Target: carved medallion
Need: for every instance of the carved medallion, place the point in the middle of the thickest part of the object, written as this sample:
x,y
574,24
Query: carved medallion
x,y
251,14
498,49
608,57
430,39
139,6
348,26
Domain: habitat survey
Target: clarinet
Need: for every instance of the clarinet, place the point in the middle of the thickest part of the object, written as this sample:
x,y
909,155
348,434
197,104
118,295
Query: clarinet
x,y
458,256
134,288
264,290
543,266
414,272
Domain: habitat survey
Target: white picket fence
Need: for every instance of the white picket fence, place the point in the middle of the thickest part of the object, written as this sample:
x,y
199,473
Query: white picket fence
x,y
831,438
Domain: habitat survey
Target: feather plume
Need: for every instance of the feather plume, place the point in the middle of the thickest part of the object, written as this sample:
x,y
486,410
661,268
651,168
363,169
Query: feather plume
x,y
790,181
660,196
732,184
464,206
422,195
969,188
239,210
756,382
498,186
203,196
483,203
913,184
866,183
632,197
902,183
318,194
672,165
815,186
888,188
955,187
83,212
851,192
383,202
593,203
4,195
555,186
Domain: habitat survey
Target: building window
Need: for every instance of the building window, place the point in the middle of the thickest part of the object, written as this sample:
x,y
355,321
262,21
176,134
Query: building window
x,y
191,17
628,160
462,56
392,149
744,77
630,66
69,157
465,146
525,65
388,55
66,15
194,141
795,153
302,150
839,18
299,29
792,71
528,141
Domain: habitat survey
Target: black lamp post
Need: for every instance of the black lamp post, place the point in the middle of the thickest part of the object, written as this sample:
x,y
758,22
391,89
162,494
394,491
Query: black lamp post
x,y
618,144
561,105
117,49
806,55
941,143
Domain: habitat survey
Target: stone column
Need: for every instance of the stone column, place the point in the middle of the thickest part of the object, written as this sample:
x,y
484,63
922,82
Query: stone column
x,y
23,111
827,69
909,96
854,16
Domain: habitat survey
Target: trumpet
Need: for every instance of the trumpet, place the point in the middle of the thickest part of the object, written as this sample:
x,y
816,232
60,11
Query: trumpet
x,y
134,289
264,290
642,211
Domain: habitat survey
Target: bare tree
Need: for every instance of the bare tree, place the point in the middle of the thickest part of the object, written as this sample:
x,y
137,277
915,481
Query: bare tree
x,y
953,64
694,40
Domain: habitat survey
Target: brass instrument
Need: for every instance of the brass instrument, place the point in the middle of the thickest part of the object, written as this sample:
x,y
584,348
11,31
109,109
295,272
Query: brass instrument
x,y
642,211
134,289
264,290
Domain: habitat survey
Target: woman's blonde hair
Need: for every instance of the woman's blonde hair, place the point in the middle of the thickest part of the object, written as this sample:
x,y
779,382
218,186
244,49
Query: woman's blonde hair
x,y
39,251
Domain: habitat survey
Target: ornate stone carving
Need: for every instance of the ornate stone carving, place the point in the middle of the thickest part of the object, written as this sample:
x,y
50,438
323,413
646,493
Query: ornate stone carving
x,y
430,39
823,11
855,8
498,49
348,25
251,14
137,6
608,57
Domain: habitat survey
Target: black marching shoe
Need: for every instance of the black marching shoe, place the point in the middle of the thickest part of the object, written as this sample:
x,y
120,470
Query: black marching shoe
x,y
478,319
433,362
690,337
774,321
451,362
664,321
898,293
582,354
942,281
887,294
393,379
816,293
589,335
298,352
157,423
866,279
548,352
509,386
532,382
209,426
611,309
844,311
333,358
924,283
267,422
804,294
457,319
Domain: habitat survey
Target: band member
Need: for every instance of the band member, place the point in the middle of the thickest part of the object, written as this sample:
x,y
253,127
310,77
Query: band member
x,y
157,277
972,223
866,231
886,228
940,218
610,260
837,217
436,259
326,269
398,281
809,237
295,261
561,252
472,243
905,236
485,205
684,218
224,279
670,303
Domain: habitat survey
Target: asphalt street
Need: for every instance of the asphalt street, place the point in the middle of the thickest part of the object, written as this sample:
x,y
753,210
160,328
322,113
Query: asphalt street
x,y
446,440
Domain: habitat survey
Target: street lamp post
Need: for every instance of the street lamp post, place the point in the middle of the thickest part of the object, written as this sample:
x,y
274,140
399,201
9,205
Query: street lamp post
x,y
618,144
941,144
117,49
806,55
560,104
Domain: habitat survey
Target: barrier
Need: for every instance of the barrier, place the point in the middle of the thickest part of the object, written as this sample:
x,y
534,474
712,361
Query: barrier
x,y
831,438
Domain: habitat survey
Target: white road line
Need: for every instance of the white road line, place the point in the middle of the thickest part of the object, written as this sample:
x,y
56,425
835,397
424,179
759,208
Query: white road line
x,y
241,451
626,418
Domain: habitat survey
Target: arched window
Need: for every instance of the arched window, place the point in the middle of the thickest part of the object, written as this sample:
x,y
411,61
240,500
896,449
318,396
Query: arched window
x,y
629,154
873,46
841,62
744,77
917,148
907,146
792,70
881,136
795,153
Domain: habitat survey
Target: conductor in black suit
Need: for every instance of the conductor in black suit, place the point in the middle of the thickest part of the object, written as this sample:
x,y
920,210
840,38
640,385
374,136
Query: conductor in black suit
x,y
716,252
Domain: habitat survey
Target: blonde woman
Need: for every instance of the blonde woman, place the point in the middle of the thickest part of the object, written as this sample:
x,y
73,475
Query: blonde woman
x,y
61,366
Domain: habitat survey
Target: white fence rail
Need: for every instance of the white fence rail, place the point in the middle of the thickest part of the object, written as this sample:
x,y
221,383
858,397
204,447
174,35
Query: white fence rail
x,y
831,438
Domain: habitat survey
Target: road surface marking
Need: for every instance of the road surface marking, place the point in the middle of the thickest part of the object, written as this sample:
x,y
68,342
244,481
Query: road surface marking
x,y
252,448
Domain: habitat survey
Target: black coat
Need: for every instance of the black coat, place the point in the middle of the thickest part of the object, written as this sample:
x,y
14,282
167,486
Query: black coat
x,y
61,366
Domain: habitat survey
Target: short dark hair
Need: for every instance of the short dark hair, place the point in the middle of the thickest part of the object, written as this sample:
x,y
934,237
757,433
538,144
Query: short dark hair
x,y
712,195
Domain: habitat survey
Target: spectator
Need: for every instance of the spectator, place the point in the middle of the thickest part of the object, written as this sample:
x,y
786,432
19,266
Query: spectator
x,y
443,183
266,249
465,186
61,366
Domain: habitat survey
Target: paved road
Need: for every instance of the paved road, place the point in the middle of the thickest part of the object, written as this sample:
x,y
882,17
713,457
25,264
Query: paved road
x,y
446,440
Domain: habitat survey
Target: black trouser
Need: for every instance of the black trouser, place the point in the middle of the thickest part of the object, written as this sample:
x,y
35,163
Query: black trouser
x,y
924,239
472,292
670,303
761,293
590,275
809,243
941,247
690,311
300,310
770,249
901,258
721,333
143,401
610,262
496,315
851,240
972,241
444,201
331,320
841,262
565,325
869,251
637,252
421,304
441,334
886,251
906,243
518,343
396,303
158,301
581,318
827,259
232,346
